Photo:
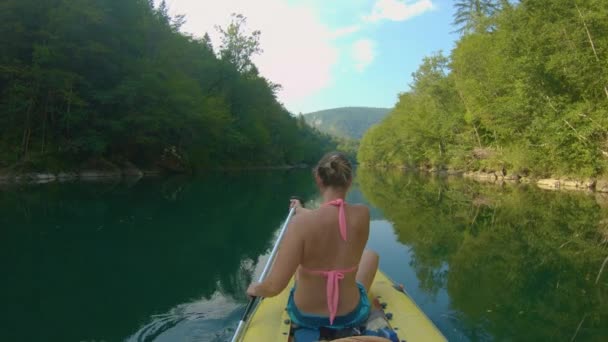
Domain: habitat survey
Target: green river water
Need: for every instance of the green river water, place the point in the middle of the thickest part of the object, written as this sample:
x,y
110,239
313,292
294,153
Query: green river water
x,y
170,259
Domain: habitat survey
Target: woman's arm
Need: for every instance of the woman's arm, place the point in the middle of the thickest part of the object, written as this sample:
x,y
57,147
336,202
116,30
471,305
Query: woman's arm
x,y
286,263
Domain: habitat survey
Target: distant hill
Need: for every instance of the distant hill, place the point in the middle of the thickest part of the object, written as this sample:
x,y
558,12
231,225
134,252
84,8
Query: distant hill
x,y
346,122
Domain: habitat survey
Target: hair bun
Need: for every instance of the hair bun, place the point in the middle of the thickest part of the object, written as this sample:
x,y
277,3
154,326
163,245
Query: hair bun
x,y
334,170
328,167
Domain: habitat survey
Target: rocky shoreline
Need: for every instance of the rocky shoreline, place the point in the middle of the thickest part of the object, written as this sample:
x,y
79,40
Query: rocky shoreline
x,y
499,177
129,173
593,185
85,175
597,185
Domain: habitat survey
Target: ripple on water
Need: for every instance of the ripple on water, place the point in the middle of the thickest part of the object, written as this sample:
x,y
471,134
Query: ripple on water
x,y
211,319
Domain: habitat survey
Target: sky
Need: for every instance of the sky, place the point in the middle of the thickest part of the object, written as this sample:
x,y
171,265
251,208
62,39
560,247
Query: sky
x,y
333,53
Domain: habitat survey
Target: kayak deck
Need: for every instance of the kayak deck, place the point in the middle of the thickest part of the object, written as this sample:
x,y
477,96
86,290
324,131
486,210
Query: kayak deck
x,y
270,321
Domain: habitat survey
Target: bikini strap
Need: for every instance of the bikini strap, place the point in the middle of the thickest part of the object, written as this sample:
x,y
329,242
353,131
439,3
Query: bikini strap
x,y
341,216
332,288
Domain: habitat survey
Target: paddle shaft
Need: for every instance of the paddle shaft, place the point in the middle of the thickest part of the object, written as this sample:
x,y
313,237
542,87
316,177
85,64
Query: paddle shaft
x,y
251,304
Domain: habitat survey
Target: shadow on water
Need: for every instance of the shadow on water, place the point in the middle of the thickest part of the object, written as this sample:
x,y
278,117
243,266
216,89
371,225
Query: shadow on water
x,y
517,263
90,262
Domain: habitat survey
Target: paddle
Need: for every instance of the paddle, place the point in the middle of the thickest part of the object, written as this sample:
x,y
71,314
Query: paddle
x,y
249,309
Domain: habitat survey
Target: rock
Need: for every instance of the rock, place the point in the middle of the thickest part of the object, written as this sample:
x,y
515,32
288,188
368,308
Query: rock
x,y
454,172
99,168
45,176
567,184
576,184
93,175
548,183
131,171
42,178
601,185
64,176
32,178
589,184
525,180
482,176
511,177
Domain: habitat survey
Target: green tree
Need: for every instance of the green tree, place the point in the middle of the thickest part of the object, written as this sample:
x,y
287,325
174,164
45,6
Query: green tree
x,y
471,15
527,96
87,80
237,46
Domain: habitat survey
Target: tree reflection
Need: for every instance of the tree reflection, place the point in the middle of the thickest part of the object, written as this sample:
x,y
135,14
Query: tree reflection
x,y
95,261
518,263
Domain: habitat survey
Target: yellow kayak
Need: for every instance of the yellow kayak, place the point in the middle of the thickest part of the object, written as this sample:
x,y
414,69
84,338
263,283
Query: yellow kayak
x,y
270,321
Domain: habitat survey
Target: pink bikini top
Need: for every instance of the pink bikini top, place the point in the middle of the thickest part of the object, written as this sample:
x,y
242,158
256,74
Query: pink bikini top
x,y
334,276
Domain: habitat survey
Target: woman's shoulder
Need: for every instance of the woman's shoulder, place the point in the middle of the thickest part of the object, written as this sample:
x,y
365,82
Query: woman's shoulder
x,y
362,208
303,218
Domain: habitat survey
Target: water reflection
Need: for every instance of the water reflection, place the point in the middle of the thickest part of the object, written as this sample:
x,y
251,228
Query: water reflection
x,y
169,260
95,261
517,263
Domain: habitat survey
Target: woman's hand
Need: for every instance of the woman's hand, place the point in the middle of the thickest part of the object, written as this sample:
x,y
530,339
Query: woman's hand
x,y
295,203
254,290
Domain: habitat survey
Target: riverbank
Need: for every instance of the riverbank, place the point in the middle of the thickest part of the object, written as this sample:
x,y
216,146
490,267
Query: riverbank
x,y
599,185
557,183
85,175
115,173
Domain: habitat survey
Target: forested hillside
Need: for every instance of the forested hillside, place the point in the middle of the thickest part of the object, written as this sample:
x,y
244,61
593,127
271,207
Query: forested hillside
x,y
116,80
524,91
346,122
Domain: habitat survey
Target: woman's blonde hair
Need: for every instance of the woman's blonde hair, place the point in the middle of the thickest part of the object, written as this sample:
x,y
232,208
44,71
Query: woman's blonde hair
x,y
335,170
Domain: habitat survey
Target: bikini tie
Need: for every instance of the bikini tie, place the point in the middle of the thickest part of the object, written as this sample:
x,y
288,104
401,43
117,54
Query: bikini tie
x,y
333,292
341,216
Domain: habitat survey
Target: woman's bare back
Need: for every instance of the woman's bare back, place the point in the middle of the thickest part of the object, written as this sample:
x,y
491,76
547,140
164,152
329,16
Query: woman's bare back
x,y
324,250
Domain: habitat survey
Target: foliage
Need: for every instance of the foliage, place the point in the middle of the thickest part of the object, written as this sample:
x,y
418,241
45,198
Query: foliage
x,y
423,124
348,146
117,79
470,15
529,92
237,47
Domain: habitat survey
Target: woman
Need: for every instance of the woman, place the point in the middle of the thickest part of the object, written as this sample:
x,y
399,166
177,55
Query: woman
x,y
325,249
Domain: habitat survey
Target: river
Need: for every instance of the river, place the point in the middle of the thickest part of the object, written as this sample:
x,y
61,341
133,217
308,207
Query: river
x,y
170,259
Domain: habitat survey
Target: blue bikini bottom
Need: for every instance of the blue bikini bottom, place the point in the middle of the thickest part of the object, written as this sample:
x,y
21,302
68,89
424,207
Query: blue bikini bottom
x,y
353,319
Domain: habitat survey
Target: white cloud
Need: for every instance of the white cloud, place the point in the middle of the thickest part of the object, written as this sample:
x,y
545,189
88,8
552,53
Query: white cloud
x,y
363,54
345,31
396,10
298,49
